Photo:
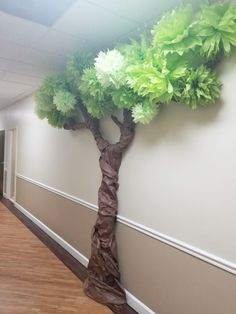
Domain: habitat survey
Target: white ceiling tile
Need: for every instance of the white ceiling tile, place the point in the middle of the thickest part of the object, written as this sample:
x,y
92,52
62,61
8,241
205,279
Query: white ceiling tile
x,y
22,68
19,30
9,92
43,12
4,102
11,89
27,92
21,78
7,101
2,74
44,60
136,32
93,23
4,99
136,10
59,42
12,51
4,64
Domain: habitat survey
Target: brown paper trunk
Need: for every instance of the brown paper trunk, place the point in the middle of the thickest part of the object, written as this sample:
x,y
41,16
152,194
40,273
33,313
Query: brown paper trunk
x,y
102,283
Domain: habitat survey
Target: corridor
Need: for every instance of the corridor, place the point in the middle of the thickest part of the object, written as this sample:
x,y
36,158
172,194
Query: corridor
x,y
32,279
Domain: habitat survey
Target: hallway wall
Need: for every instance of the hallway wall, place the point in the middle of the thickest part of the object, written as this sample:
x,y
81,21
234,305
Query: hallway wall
x,y
177,196
2,145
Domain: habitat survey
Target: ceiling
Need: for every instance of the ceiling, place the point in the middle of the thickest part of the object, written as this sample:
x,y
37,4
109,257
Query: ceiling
x,y
35,42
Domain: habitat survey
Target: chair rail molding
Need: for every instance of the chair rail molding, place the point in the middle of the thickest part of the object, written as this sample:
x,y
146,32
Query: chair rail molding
x,y
178,244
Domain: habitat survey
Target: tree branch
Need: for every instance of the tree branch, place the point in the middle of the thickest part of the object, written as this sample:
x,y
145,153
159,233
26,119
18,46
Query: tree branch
x,y
213,62
73,125
116,121
127,131
93,125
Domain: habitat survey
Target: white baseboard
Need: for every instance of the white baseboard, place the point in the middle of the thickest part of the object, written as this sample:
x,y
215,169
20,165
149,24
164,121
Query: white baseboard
x,y
135,303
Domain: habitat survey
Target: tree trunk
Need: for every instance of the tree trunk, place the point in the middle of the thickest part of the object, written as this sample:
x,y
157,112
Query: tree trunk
x,y
103,281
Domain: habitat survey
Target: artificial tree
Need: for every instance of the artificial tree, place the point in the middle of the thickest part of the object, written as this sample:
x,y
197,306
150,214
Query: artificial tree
x,y
173,64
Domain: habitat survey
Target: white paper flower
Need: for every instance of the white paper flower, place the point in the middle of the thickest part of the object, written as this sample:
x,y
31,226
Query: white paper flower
x,y
109,68
144,113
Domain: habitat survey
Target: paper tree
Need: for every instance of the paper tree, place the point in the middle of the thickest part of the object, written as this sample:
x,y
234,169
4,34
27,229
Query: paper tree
x,y
174,64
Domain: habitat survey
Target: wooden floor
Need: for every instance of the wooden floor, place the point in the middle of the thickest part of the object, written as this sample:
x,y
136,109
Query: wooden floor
x,y
32,279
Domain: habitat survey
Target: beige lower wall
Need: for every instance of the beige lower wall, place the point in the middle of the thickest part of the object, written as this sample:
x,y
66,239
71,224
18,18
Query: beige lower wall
x,y
167,280
71,221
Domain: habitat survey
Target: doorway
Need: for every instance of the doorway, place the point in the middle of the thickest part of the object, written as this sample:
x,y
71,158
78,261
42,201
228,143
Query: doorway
x,y
12,163
2,168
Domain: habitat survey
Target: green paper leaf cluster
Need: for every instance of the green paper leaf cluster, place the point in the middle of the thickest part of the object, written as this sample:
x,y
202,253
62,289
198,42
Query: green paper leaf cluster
x,y
54,101
172,33
125,97
216,27
200,87
170,64
146,80
64,101
159,79
136,52
96,99
75,66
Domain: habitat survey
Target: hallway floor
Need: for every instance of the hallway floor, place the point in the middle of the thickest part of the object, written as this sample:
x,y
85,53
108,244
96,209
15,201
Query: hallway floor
x,y
32,279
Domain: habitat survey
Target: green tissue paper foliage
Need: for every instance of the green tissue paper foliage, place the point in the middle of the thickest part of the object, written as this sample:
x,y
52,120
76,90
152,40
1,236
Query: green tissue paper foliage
x,y
199,87
216,28
44,95
54,101
146,80
172,32
96,99
75,66
64,101
169,64
136,52
125,97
